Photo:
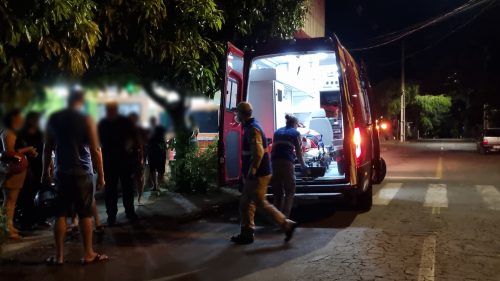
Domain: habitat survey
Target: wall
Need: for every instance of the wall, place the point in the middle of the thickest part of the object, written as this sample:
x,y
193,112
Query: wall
x,y
314,25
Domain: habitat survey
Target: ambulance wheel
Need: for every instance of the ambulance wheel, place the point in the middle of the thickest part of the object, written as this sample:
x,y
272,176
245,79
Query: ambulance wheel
x,y
364,199
379,172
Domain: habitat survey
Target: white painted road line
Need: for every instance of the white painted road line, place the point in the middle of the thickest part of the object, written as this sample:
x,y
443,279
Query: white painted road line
x,y
490,195
436,196
426,272
413,178
385,195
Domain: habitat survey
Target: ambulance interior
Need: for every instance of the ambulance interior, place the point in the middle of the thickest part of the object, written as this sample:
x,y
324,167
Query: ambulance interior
x,y
305,85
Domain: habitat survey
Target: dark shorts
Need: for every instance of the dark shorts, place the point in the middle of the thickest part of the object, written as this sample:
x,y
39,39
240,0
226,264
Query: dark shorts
x,y
75,194
157,164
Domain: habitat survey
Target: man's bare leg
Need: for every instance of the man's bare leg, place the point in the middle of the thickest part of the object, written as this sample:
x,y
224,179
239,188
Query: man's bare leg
x,y
97,219
59,235
86,231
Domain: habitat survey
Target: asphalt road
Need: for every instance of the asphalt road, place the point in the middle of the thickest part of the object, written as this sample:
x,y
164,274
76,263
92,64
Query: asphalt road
x,y
436,217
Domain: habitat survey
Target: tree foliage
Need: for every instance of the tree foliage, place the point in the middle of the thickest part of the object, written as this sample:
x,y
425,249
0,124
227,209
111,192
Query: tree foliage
x,y
177,45
433,111
429,113
39,39
164,41
249,22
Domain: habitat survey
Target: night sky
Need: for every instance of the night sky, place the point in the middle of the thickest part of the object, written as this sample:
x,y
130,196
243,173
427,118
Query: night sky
x,y
470,56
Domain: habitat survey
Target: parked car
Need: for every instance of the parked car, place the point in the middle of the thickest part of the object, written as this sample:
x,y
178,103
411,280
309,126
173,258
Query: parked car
x,y
489,141
319,82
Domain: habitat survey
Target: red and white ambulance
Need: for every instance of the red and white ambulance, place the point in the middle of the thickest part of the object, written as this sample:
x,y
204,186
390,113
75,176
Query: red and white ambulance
x,y
318,81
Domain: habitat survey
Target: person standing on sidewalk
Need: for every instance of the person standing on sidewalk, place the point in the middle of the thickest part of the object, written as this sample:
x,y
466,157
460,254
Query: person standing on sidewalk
x,y
139,153
31,135
157,154
257,174
286,140
72,135
13,181
118,139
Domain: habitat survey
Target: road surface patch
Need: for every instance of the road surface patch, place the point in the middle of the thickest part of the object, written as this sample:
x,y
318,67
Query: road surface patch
x,y
439,168
490,196
385,195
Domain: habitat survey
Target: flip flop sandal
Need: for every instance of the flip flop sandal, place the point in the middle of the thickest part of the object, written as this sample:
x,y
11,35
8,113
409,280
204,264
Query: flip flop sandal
x,y
15,236
53,261
97,259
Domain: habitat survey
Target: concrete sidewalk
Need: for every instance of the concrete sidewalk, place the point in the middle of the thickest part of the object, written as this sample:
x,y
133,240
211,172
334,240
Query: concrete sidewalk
x,y
166,206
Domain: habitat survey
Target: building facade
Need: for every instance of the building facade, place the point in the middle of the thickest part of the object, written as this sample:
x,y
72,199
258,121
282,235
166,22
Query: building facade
x,y
314,25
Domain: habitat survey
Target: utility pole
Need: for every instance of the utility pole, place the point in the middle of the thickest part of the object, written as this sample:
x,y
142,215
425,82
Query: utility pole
x,y
402,126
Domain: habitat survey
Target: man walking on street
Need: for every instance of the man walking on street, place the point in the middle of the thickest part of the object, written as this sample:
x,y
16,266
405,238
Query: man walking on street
x,y
286,140
73,137
119,138
257,174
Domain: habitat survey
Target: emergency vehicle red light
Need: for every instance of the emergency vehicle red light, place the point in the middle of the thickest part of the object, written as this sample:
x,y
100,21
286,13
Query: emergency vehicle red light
x,y
357,142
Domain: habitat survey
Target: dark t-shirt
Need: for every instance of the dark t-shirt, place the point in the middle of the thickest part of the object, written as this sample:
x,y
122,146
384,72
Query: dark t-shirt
x,y
286,141
119,138
68,128
157,146
36,140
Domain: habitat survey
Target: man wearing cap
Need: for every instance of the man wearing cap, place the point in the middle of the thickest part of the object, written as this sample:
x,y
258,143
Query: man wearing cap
x,y
257,174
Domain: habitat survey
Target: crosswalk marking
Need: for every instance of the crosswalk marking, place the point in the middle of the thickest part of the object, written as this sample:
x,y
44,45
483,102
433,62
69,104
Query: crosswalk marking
x,y
490,196
436,196
385,195
428,260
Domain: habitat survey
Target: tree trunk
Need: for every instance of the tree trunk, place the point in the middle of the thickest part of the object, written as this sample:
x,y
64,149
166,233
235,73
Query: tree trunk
x,y
183,128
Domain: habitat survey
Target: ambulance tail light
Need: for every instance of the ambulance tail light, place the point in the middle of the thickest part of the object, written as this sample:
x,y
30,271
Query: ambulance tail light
x,y
357,142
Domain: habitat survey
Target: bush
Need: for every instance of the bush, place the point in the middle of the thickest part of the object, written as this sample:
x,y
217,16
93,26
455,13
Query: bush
x,y
196,172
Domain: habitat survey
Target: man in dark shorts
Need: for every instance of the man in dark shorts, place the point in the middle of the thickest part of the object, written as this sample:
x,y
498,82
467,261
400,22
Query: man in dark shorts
x,y
73,137
119,138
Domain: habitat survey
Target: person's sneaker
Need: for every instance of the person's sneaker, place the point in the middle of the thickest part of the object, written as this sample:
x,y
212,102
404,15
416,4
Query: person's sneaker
x,y
244,238
291,230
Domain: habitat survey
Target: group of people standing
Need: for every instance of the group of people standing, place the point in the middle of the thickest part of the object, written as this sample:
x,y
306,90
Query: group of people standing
x,y
24,136
80,156
116,151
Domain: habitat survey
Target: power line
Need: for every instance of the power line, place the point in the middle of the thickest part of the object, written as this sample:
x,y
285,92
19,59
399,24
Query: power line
x,y
433,44
394,36
464,7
